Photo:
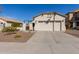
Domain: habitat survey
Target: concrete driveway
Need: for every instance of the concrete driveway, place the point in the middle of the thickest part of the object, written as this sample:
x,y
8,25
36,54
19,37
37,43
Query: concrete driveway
x,y
44,43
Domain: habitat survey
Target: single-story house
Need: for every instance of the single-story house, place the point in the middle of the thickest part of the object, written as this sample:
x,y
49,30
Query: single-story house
x,y
51,21
72,21
7,22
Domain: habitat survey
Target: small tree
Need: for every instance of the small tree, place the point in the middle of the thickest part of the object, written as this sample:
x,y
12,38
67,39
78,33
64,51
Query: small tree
x,y
16,25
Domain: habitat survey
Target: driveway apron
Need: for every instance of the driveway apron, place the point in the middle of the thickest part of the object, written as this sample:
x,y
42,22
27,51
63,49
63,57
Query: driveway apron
x,y
44,42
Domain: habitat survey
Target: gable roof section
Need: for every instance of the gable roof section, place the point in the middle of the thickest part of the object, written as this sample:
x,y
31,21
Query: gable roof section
x,y
9,20
69,13
77,10
49,13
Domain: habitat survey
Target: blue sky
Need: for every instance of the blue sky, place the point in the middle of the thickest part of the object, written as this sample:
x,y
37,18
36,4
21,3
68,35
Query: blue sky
x,y
27,11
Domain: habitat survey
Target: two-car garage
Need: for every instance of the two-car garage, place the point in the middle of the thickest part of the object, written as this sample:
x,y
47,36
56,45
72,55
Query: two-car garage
x,y
51,26
49,22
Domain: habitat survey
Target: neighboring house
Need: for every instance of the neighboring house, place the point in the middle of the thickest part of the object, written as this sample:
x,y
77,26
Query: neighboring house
x,y
72,21
7,22
48,22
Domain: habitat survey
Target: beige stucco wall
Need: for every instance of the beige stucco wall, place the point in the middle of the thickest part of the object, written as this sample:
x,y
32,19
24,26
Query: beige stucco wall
x,y
1,24
8,24
30,26
4,22
70,16
48,26
45,17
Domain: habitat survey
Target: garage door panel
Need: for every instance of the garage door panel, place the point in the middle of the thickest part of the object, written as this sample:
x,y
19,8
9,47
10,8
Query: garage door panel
x,y
44,27
56,26
52,26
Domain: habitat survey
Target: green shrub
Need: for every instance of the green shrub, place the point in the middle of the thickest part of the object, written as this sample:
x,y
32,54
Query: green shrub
x,y
16,25
9,29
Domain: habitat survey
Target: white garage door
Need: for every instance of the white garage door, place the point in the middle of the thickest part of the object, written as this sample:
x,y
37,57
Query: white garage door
x,y
57,26
42,26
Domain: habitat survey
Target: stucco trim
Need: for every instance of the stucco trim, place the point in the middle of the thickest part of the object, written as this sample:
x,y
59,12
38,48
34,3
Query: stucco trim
x,y
49,13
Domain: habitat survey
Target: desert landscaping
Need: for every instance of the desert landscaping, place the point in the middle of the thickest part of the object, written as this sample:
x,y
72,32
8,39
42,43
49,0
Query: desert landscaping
x,y
15,36
31,31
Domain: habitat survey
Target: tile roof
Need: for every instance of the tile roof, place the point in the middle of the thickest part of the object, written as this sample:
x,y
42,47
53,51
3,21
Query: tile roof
x,y
9,20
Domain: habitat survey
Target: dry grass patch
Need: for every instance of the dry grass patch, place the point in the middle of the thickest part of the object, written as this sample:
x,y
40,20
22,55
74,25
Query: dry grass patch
x,y
15,36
